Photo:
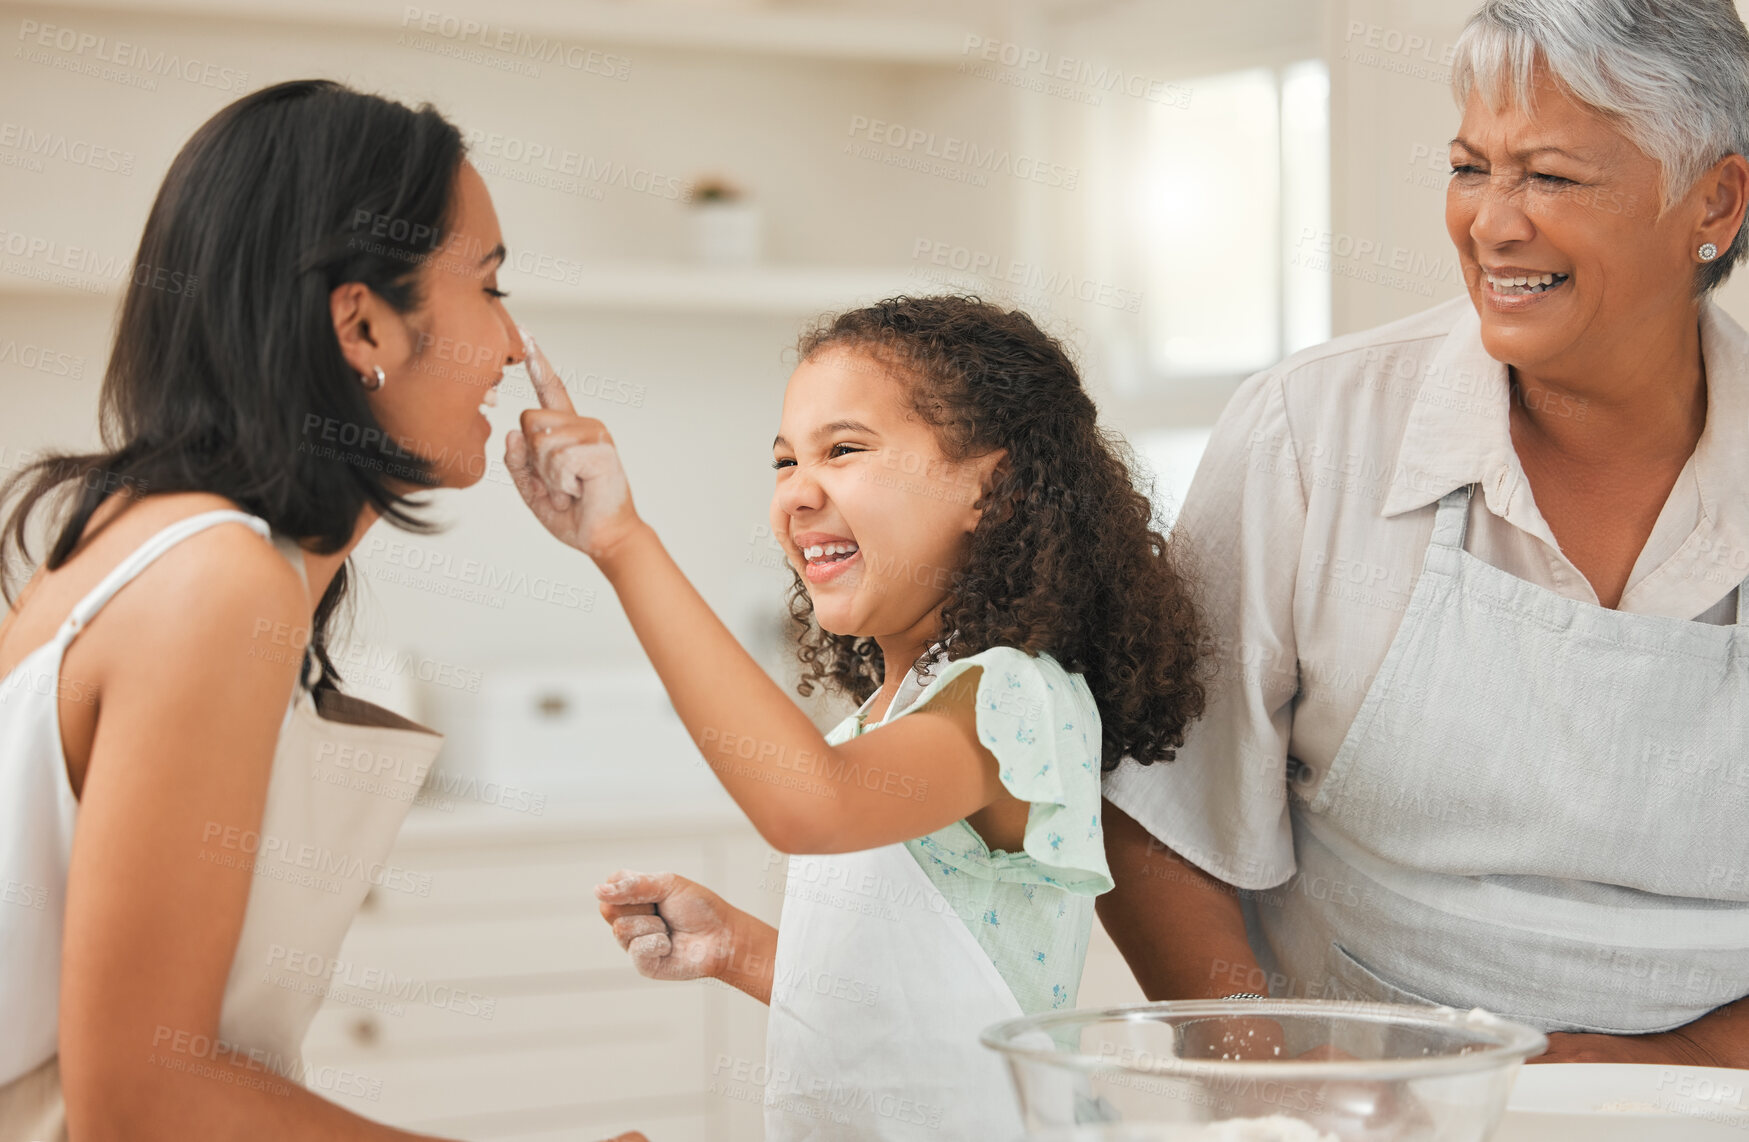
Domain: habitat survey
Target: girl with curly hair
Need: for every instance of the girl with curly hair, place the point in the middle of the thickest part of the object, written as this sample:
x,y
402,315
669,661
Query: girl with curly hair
x,y
976,568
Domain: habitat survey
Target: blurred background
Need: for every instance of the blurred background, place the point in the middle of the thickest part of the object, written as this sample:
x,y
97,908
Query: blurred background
x,y
1183,192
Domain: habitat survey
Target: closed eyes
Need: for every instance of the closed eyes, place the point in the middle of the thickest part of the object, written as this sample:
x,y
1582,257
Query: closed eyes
x,y
831,454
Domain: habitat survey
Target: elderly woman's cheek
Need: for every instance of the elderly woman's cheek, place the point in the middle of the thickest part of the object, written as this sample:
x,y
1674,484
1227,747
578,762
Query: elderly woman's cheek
x,y
1460,215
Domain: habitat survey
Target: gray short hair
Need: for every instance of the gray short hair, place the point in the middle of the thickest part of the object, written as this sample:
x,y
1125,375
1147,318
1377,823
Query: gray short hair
x,y
1674,73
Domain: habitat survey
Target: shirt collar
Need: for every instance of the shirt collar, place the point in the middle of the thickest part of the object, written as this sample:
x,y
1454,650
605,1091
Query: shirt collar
x,y
1459,430
1721,457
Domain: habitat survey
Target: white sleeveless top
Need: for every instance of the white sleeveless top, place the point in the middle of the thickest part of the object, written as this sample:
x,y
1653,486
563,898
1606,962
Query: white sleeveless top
x,y
344,774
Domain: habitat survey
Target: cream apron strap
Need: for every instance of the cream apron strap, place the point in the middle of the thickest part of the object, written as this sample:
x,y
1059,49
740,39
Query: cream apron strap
x,y
1452,521
310,672
288,547
142,557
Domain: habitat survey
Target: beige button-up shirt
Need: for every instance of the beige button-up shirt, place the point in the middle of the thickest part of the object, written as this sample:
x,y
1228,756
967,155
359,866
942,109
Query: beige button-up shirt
x,y
1307,522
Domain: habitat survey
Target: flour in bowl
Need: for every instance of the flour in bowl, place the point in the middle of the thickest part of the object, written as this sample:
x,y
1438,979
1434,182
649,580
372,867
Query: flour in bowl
x,y
1274,1128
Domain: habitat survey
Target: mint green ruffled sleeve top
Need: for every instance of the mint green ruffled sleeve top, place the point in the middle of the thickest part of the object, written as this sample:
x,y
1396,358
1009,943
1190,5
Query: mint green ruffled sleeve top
x,y
1031,911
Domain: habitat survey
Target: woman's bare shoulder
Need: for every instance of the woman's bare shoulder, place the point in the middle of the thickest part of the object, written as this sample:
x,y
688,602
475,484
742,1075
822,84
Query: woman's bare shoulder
x,y
211,584
204,569
226,564
214,626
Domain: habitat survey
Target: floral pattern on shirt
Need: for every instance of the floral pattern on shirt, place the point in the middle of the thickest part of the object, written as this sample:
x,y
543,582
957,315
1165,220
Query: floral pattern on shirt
x,y
1032,910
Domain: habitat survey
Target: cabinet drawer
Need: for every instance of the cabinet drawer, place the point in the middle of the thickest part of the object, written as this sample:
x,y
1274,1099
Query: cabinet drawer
x,y
466,1020
418,1088
474,949
495,880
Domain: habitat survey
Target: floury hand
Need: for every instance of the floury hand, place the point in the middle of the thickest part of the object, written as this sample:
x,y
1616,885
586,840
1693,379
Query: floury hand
x,y
672,928
566,467
675,929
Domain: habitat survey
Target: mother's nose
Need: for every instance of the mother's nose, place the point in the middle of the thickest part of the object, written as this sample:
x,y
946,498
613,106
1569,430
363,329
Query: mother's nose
x,y
514,353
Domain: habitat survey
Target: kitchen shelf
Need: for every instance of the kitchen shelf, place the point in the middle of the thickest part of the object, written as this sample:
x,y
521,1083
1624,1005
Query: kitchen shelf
x,y
660,24
16,286
640,287
657,287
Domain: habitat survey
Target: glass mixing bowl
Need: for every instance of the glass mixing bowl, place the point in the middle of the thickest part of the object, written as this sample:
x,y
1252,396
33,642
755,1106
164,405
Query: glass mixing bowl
x,y
1248,1070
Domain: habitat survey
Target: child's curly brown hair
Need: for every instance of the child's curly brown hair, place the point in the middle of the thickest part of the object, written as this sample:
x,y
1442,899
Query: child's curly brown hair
x,y
1065,558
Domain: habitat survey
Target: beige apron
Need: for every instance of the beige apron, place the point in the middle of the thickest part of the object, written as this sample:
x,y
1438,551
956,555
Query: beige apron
x,y
345,772
1540,809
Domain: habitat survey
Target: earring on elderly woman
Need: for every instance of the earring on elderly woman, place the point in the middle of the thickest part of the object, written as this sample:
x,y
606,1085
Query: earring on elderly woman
x,y
1708,252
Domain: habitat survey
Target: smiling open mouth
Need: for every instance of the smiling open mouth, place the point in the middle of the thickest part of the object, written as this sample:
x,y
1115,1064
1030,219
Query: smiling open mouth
x,y
1524,285
822,553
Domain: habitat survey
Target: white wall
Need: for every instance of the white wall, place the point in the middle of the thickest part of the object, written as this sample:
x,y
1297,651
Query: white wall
x,y
697,446
775,120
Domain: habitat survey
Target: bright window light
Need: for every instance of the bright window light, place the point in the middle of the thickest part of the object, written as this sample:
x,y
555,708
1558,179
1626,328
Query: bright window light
x,y
1222,181
1305,181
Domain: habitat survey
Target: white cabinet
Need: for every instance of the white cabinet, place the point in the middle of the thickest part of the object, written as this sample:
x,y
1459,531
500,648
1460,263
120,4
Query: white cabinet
x,y
497,1005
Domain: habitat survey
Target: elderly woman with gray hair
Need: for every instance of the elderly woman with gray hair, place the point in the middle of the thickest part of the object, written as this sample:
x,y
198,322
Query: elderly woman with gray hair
x,y
1480,735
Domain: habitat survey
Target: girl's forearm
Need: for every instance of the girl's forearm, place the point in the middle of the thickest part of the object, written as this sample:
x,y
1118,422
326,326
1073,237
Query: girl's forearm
x,y
752,957
748,730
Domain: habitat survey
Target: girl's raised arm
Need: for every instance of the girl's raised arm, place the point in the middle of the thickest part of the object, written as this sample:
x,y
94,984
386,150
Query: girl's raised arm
x,y
915,776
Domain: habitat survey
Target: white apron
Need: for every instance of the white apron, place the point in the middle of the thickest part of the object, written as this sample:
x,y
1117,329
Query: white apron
x,y
878,995
1542,809
344,774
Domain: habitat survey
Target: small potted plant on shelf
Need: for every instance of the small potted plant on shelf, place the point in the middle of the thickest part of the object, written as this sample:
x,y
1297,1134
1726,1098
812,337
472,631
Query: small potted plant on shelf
x,y
725,223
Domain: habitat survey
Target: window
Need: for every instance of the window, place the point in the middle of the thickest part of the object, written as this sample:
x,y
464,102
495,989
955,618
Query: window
x,y
1223,186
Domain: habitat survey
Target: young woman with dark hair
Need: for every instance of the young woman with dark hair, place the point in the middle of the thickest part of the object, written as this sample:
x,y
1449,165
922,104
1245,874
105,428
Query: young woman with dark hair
x,y
165,679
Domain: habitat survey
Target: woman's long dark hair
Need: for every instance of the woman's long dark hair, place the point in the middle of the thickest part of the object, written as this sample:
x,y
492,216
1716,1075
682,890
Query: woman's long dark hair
x,y
1065,558
225,354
